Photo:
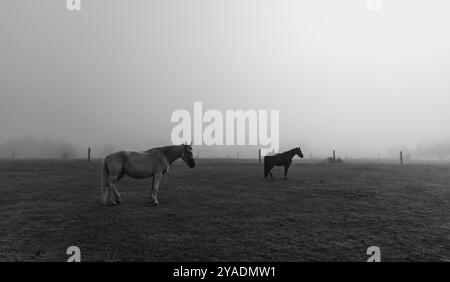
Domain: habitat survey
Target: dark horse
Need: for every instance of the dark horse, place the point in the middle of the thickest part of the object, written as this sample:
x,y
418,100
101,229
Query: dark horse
x,y
283,159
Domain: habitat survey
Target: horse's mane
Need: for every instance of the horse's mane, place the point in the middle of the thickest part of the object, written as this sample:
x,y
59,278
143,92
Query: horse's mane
x,y
285,152
164,149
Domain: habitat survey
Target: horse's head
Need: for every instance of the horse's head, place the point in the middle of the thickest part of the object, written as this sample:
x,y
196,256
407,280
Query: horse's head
x,y
299,152
187,156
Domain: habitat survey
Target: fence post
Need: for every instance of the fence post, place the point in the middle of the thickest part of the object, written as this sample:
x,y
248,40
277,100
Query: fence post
x,y
334,155
89,155
259,155
401,158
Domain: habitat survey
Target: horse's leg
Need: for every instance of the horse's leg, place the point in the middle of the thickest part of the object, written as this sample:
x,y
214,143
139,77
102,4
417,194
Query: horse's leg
x,y
114,190
286,167
265,169
113,170
107,183
152,192
116,194
156,179
111,195
269,170
110,198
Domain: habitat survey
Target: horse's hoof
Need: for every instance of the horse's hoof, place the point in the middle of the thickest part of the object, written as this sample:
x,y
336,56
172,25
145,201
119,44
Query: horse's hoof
x,y
153,202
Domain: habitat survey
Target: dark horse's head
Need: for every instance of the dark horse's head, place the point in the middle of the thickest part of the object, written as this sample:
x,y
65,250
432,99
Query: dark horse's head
x,y
187,156
298,152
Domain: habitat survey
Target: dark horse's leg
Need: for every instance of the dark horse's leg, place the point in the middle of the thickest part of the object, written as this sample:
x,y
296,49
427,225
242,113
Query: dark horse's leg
x,y
266,168
267,171
286,168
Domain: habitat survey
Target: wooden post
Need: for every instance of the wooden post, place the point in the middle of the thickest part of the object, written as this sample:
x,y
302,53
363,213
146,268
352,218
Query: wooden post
x,y
401,158
334,155
89,155
259,155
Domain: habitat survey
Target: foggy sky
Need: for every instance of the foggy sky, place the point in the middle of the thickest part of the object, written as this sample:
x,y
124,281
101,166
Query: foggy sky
x,y
343,77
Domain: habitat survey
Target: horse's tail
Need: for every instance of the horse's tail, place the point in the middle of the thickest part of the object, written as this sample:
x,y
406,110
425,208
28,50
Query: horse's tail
x,y
104,187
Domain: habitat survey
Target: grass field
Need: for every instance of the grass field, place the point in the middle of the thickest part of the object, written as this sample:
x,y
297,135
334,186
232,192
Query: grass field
x,y
225,211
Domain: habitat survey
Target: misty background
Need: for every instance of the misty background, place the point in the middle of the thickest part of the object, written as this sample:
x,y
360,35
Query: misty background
x,y
365,83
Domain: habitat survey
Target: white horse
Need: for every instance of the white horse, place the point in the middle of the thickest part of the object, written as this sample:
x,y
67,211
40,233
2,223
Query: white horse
x,y
154,162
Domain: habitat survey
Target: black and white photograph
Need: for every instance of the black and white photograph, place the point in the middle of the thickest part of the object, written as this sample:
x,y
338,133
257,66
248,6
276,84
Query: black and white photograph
x,y
243,132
